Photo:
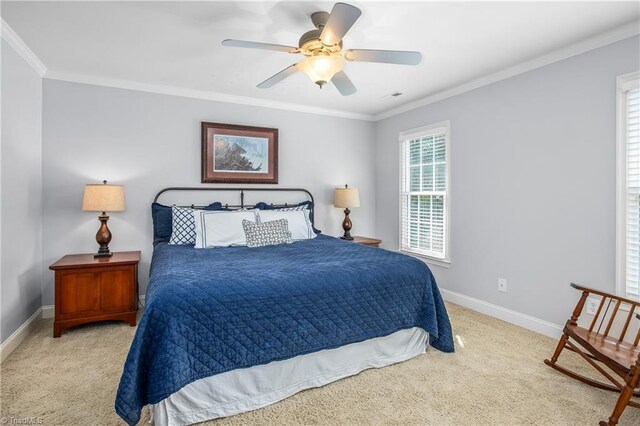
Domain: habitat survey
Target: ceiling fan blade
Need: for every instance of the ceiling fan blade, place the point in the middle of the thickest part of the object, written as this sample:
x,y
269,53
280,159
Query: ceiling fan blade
x,y
258,45
273,80
384,56
342,17
343,84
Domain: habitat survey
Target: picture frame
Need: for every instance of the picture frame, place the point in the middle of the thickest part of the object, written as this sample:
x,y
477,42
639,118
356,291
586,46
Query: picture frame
x,y
239,154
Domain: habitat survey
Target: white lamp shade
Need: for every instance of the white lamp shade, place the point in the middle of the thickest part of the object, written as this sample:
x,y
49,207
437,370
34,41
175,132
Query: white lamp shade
x,y
103,198
346,198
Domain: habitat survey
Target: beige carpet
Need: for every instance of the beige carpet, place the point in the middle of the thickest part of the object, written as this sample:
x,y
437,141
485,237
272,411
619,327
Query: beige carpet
x,y
495,377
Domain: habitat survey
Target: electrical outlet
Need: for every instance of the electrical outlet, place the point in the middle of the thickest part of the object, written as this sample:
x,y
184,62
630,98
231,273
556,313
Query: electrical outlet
x,y
592,305
502,285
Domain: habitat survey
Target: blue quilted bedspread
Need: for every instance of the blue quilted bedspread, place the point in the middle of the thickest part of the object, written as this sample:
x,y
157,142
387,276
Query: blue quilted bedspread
x,y
209,311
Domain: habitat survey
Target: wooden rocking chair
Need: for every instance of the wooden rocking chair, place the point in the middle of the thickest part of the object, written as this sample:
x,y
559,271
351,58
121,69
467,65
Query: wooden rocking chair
x,y
599,349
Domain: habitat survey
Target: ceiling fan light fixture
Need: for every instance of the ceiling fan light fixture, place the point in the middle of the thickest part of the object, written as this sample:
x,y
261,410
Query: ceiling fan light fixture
x,y
321,69
323,54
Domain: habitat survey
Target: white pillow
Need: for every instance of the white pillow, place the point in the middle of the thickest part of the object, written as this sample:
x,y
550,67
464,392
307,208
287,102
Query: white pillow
x,y
298,220
221,228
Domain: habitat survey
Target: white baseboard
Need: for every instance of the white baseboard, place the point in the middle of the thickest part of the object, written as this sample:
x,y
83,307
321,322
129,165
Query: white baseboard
x,y
526,321
48,311
18,336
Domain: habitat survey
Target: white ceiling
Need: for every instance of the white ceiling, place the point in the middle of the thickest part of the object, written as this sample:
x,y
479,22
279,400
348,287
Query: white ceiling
x,y
178,43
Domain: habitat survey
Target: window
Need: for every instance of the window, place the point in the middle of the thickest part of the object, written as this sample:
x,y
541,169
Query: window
x,y
424,177
628,194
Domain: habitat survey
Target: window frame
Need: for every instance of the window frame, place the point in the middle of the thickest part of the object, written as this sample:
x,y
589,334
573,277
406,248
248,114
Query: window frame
x,y
413,134
623,83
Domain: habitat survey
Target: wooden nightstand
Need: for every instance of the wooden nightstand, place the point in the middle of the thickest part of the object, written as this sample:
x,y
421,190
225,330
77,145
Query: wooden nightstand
x,y
92,289
367,241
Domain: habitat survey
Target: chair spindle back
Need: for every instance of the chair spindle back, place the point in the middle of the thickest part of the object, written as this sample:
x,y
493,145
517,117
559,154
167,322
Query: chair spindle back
x,y
608,310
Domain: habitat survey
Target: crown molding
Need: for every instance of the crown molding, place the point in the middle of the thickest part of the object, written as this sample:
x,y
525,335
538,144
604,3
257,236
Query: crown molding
x,y
620,33
202,94
21,48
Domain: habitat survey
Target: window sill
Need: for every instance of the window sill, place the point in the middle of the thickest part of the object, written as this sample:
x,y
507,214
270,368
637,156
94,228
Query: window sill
x,y
443,263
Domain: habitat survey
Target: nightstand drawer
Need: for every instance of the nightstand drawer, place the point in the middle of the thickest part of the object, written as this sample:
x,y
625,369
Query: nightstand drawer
x,y
116,289
85,293
79,293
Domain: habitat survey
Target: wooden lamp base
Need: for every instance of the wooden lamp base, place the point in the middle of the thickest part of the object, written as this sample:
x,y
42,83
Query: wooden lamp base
x,y
346,225
103,237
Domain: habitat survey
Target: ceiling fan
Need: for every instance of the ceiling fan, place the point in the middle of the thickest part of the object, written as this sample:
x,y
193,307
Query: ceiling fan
x,y
323,52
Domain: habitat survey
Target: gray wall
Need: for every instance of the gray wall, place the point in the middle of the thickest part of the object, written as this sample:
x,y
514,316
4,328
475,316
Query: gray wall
x,y
149,141
532,182
21,192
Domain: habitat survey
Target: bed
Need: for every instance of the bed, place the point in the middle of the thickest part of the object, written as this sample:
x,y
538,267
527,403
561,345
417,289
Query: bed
x,y
232,329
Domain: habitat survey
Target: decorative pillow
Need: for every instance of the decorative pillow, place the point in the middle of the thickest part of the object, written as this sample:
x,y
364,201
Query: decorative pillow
x,y
221,228
183,226
305,205
177,228
298,221
267,233
161,216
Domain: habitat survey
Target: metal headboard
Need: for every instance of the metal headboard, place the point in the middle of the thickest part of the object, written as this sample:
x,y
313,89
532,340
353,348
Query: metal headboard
x,y
242,191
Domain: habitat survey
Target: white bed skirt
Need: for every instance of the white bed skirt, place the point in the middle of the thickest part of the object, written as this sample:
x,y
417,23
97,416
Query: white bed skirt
x,y
247,389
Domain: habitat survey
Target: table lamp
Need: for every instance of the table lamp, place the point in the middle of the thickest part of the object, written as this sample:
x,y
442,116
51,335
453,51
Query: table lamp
x,y
345,198
103,198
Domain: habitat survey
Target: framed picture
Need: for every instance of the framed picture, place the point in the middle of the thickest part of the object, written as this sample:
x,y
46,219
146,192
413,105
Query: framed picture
x,y
239,154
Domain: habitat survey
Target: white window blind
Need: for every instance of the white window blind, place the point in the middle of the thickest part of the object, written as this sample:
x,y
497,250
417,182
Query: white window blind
x,y
631,131
424,191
